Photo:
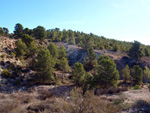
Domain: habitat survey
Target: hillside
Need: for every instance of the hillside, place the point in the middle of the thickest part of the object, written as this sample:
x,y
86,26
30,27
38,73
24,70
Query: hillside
x,y
74,54
38,95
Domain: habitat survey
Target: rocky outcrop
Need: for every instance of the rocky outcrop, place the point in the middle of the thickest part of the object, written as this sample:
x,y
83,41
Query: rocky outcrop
x,y
61,75
75,53
7,42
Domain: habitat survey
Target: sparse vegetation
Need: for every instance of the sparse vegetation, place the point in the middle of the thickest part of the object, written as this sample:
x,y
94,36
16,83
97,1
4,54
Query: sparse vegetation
x,y
35,57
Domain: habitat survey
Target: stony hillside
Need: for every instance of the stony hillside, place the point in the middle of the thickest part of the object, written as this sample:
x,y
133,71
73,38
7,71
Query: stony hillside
x,y
77,54
54,93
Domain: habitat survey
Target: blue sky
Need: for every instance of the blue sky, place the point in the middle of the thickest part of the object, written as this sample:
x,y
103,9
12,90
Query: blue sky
x,y
118,19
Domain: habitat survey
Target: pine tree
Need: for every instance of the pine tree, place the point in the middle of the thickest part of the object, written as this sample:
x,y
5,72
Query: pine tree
x,y
61,52
126,73
53,50
2,31
21,48
40,33
43,65
135,50
6,31
78,73
62,65
31,49
27,39
18,32
91,59
106,72
137,74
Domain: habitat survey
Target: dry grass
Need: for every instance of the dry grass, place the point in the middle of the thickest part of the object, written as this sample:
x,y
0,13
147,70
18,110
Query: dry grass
x,y
45,102
89,103
111,90
45,94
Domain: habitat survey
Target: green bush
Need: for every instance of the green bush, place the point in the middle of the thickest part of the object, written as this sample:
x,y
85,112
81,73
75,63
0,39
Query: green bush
x,y
23,62
118,101
6,73
13,54
136,87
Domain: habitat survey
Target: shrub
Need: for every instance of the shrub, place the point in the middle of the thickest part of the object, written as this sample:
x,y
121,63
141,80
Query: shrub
x,y
6,73
9,106
111,90
119,102
89,103
136,87
23,62
76,103
62,65
17,82
3,55
13,54
20,48
45,94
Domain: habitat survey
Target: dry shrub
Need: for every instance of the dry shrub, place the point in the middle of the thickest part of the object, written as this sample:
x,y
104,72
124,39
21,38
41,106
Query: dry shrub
x,y
7,106
4,55
111,90
37,108
89,103
30,90
23,98
52,105
46,102
15,102
2,96
76,103
45,94
26,100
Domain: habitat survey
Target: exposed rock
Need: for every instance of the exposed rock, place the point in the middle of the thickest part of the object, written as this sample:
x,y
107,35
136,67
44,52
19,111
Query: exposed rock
x,y
7,42
77,54
61,75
